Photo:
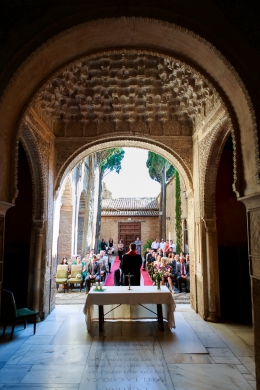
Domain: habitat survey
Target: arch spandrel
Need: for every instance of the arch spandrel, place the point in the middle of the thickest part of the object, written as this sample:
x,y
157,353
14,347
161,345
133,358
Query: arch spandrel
x,y
101,35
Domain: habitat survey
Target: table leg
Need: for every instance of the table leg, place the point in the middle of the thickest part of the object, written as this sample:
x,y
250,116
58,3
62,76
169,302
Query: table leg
x,y
160,316
100,316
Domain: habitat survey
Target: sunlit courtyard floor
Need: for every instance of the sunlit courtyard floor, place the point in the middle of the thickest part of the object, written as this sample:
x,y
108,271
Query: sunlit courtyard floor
x,y
127,355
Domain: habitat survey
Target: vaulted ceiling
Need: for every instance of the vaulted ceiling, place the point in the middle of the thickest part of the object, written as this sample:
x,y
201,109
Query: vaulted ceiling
x,y
125,91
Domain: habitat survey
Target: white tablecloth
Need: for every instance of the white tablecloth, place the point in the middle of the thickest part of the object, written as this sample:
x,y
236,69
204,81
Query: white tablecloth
x,y
148,296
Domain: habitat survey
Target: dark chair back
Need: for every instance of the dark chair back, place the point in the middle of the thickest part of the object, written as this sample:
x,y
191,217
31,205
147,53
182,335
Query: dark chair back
x,y
8,305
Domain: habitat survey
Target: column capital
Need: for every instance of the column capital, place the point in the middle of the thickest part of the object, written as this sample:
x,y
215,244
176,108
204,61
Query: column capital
x,y
38,224
4,206
210,224
251,201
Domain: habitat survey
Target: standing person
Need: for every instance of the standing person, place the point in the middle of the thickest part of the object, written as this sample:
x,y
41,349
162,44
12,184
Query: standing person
x,y
120,249
162,245
138,244
131,263
155,245
103,245
111,245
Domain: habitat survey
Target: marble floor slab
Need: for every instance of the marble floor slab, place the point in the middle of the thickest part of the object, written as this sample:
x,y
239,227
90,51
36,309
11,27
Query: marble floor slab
x,y
208,377
127,355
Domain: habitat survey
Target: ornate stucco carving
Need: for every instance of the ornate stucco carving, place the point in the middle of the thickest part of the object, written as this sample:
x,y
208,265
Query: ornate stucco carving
x,y
210,149
32,146
155,22
125,91
254,217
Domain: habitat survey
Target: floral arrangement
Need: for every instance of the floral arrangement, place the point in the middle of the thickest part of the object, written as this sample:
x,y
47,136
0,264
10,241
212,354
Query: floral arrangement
x,y
158,274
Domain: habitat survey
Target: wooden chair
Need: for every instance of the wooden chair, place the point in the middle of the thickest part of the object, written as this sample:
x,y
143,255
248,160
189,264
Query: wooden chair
x,y
75,270
62,276
13,315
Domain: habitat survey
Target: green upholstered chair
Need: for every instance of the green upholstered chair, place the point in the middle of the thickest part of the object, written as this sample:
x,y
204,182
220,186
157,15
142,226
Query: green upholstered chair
x,y
62,276
75,270
14,316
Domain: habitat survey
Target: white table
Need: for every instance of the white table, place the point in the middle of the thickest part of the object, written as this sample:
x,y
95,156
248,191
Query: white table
x,y
130,302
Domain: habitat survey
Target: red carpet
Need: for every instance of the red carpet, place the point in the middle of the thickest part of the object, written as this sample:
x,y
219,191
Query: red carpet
x,y
110,278
145,279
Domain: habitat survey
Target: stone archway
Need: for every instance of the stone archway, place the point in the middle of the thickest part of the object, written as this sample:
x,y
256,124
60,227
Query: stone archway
x,y
101,36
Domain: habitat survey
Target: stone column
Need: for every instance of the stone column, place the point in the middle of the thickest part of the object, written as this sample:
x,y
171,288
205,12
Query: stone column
x,y
212,271
253,227
38,226
4,206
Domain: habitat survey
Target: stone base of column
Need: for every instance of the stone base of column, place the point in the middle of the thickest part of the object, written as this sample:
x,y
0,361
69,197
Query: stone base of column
x,y
213,317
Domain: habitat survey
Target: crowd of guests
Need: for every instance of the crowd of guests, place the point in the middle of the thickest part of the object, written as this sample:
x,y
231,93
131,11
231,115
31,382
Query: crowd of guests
x,y
95,267
160,261
174,269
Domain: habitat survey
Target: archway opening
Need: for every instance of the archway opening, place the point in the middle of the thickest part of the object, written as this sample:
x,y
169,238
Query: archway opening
x,y
235,294
18,235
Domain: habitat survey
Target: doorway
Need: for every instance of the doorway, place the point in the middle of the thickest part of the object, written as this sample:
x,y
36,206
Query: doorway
x,y
234,279
128,231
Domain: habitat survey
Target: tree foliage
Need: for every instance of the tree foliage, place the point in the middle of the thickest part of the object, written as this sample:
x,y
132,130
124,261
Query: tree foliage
x,y
157,165
178,221
111,161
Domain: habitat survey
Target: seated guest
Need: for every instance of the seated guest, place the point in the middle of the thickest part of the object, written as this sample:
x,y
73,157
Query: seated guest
x,y
148,250
118,277
64,261
93,273
183,274
173,263
167,272
105,260
167,247
103,269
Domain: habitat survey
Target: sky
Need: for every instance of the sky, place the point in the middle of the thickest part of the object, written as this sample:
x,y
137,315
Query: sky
x,y
133,181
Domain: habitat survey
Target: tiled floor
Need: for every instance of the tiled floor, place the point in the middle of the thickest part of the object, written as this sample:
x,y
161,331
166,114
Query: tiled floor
x,y
128,356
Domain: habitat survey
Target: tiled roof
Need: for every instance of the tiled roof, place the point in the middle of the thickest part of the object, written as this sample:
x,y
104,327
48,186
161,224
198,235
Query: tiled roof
x,y
130,207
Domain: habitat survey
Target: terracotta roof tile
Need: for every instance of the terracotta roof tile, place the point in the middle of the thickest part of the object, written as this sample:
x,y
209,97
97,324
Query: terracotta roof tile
x,y
130,207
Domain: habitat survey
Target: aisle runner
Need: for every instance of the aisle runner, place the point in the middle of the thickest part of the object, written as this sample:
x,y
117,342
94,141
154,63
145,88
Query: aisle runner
x,y
145,279
110,278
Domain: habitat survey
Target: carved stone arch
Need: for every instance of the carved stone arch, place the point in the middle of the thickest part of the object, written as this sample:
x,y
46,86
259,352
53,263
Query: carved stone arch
x,y
38,174
211,149
66,197
74,157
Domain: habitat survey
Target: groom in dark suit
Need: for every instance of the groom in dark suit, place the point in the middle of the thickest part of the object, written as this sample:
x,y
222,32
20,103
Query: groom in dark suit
x,y
183,274
93,273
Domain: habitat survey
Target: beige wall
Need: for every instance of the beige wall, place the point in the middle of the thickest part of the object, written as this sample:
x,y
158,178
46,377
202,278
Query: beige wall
x,y
109,227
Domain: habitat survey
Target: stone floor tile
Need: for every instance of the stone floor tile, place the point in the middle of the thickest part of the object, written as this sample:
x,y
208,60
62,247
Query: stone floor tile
x,y
252,384
48,328
225,359
200,327
207,377
249,363
247,337
54,354
185,358
13,373
53,374
249,377
237,346
211,340
220,351
35,339
242,369
77,335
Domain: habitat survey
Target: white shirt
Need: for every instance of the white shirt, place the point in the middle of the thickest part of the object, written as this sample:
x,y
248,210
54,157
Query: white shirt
x,y
162,245
173,246
155,245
